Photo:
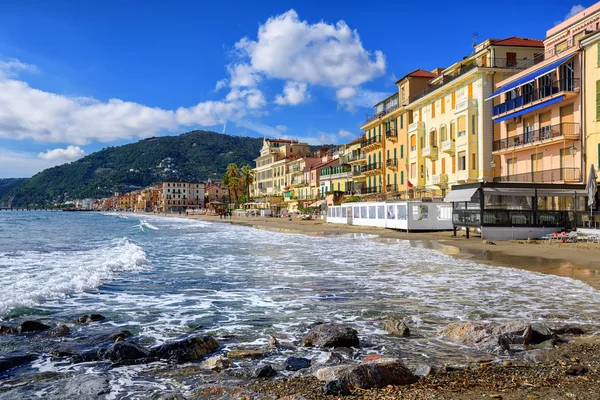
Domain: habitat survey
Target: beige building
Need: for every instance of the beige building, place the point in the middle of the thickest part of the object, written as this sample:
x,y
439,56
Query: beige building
x,y
271,168
452,131
178,196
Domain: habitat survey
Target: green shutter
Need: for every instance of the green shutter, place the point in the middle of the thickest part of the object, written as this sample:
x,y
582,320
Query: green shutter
x,y
388,154
597,100
395,179
401,121
402,151
402,177
395,153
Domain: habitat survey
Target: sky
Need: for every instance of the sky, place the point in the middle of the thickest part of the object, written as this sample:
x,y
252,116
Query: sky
x,y
78,76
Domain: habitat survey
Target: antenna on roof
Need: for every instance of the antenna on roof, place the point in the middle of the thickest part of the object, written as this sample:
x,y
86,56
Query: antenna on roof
x,y
474,44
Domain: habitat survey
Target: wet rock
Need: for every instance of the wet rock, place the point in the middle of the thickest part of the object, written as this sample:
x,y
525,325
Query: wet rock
x,y
218,363
7,330
296,363
31,326
62,353
273,342
489,336
396,327
121,335
568,330
332,358
136,361
547,345
373,357
331,335
86,386
423,370
171,396
576,370
14,359
540,334
366,375
245,353
336,388
84,319
59,331
264,371
121,351
88,356
187,349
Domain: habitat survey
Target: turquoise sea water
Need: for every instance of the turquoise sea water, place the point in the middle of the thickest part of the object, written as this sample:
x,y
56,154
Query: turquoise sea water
x,y
163,278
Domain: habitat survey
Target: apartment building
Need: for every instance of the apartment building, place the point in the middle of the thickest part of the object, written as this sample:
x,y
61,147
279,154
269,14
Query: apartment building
x,y
451,135
178,196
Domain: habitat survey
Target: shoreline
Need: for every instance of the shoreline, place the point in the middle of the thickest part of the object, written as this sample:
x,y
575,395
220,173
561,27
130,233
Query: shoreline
x,y
578,261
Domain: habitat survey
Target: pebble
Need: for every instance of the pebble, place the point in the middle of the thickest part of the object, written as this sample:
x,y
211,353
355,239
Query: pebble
x,y
495,396
507,363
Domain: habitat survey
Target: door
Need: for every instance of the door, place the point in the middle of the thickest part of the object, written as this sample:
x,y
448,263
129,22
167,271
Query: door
x,y
537,168
567,77
511,59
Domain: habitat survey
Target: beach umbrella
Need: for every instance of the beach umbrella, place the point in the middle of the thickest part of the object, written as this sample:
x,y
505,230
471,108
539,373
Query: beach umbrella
x,y
590,187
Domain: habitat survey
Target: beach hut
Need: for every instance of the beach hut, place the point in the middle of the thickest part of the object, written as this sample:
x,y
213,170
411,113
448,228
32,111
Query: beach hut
x,y
216,207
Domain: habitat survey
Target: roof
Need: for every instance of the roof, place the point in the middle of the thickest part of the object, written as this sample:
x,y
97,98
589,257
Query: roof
x,y
323,163
517,41
283,140
360,139
418,73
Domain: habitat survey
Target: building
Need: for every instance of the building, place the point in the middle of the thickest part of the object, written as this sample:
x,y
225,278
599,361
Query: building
x,y
451,135
297,178
537,113
178,196
272,166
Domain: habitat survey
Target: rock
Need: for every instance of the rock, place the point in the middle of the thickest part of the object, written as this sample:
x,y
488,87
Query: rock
x,y
331,359
187,349
171,396
296,364
62,353
489,336
540,334
336,388
218,363
547,345
14,359
121,351
273,342
422,370
7,330
87,356
366,375
121,335
84,319
86,386
576,369
245,353
373,357
31,326
59,331
569,330
331,335
396,327
264,371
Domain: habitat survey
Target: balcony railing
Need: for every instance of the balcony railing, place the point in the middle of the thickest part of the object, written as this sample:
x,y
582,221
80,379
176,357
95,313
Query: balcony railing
x,y
372,166
370,190
392,162
546,176
430,152
563,85
448,146
371,140
568,129
354,157
382,113
391,188
391,133
439,179
505,63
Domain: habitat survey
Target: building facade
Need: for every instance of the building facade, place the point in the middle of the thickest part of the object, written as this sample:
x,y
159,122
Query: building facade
x,y
178,196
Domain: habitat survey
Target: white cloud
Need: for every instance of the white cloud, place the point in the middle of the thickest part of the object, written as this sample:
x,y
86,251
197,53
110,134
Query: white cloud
x,y
71,153
220,84
576,9
243,75
319,54
345,93
345,134
281,128
361,98
10,67
18,164
293,93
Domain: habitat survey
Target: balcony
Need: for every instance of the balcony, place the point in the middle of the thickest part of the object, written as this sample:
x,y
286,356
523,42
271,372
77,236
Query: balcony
x,y
546,176
448,146
430,152
371,143
566,130
392,163
300,183
370,190
502,63
391,188
388,108
570,85
391,134
467,104
415,126
440,180
355,158
462,175
373,167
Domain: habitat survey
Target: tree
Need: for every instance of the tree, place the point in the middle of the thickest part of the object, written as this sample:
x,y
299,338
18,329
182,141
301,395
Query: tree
x,y
247,176
233,173
227,183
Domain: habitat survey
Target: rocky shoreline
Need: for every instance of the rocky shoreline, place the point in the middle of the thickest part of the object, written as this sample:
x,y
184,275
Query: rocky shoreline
x,y
524,361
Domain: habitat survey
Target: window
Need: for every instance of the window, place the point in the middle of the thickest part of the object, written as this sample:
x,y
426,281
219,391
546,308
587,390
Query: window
x,y
433,110
402,91
443,133
402,121
462,161
453,101
433,167
473,161
473,126
402,173
413,170
433,138
421,142
452,130
559,48
453,162
402,151
443,165
420,114
443,105
413,143
470,91
462,127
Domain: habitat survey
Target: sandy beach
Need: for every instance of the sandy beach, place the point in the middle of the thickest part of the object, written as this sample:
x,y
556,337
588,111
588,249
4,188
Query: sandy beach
x,y
575,260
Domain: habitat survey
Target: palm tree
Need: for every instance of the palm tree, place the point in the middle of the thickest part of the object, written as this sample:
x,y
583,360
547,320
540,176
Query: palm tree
x,y
233,172
247,176
226,182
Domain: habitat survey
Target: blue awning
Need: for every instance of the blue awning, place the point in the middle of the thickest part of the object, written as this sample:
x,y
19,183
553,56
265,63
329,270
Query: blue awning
x,y
530,77
530,109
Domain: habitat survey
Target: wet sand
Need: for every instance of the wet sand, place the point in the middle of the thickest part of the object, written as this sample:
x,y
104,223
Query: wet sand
x,y
575,260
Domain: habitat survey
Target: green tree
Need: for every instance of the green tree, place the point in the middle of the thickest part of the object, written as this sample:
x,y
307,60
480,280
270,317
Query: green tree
x,y
233,173
247,176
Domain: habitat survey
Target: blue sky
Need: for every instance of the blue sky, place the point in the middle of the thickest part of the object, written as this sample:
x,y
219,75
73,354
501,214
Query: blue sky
x,y
76,77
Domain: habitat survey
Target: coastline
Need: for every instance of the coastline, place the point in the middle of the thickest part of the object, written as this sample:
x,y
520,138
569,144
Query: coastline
x,y
578,261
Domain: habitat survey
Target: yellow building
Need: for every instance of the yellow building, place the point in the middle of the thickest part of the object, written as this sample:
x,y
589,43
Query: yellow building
x,y
452,132
356,158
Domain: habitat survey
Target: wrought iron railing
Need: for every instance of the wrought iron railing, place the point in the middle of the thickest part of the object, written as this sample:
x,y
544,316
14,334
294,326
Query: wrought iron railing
x,y
568,129
372,166
545,176
392,162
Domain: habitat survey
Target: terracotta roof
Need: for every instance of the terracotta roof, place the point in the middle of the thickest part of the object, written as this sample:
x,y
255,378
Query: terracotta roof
x,y
360,139
323,163
517,41
418,73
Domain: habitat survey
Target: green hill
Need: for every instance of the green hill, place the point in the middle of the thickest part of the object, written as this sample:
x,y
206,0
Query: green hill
x,y
198,155
193,155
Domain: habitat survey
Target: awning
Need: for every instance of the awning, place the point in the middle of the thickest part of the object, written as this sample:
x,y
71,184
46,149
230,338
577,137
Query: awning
x,y
459,195
530,77
513,191
561,192
530,109
317,203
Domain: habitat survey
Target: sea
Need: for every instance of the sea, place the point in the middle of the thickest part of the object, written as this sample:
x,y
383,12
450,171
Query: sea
x,y
164,279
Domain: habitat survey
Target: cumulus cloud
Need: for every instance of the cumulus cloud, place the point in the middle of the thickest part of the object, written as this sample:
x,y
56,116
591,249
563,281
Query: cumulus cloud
x,y
576,9
320,54
345,134
351,98
345,93
20,164
10,67
293,93
71,153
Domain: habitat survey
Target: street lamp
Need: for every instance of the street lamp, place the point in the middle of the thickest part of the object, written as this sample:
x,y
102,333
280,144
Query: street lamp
x,y
493,165
573,150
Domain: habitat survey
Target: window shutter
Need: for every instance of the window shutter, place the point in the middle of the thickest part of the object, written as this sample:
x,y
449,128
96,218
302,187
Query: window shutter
x,y
470,91
402,122
402,173
443,105
402,151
